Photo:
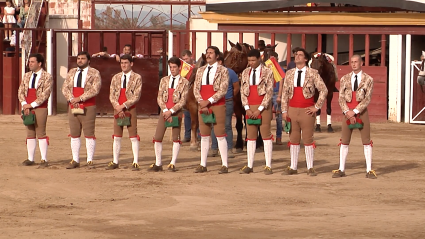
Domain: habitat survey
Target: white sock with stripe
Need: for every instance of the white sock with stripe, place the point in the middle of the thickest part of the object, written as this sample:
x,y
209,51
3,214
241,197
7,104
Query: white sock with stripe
x,y
91,146
31,145
309,156
222,146
268,150
176,149
250,151
368,156
135,147
75,148
43,145
205,146
158,153
295,151
343,152
116,148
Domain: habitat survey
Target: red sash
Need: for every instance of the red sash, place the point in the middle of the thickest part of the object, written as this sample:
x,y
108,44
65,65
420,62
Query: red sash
x,y
207,91
170,104
32,96
123,98
353,104
299,101
254,98
78,91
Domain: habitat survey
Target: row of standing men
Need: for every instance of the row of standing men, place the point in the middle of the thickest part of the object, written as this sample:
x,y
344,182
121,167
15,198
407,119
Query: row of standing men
x,y
83,83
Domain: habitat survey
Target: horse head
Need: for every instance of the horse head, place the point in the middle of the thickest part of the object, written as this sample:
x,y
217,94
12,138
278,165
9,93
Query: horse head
x,y
237,57
202,61
322,62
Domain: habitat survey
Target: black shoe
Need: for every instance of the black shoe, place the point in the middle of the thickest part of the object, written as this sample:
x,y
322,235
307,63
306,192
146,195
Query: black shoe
x,y
27,162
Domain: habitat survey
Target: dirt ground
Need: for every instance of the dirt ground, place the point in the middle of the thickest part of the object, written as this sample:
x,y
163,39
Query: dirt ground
x,y
83,203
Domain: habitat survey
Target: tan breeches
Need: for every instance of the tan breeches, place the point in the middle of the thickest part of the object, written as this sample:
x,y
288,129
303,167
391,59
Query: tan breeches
x,y
364,132
160,128
266,118
302,124
39,128
132,128
86,122
220,118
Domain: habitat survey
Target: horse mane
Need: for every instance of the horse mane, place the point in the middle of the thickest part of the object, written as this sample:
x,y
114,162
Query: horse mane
x,y
202,61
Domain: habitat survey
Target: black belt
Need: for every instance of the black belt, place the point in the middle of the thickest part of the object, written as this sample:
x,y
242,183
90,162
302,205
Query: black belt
x,y
231,99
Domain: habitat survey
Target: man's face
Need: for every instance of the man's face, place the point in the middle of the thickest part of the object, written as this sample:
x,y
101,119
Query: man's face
x,y
187,59
356,63
253,62
211,56
175,70
34,65
126,65
300,58
82,61
126,50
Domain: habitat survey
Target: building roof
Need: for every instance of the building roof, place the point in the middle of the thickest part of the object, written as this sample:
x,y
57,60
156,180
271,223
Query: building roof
x,y
229,6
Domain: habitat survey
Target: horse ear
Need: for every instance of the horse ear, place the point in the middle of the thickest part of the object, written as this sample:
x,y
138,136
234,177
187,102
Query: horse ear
x,y
238,46
231,43
275,45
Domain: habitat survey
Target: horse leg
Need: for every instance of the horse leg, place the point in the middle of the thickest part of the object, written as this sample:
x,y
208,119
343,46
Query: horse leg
x,y
260,142
329,112
318,129
239,128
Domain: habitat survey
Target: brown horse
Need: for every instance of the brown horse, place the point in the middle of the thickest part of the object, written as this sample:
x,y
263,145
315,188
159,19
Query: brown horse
x,y
321,62
192,104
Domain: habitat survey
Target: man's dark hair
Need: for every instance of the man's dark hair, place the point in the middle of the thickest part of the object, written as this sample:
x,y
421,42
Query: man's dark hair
x,y
187,53
254,53
306,55
175,60
221,57
127,45
126,57
39,57
295,49
104,49
216,50
81,53
261,43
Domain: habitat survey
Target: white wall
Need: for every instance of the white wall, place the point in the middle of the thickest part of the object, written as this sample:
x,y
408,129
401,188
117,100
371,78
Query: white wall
x,y
62,22
394,78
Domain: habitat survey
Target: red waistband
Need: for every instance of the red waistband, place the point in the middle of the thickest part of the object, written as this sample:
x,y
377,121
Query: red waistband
x,y
32,96
254,98
353,104
207,91
78,91
299,101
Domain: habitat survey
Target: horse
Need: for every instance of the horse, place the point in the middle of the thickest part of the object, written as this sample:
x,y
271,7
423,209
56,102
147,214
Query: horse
x,y
322,62
192,104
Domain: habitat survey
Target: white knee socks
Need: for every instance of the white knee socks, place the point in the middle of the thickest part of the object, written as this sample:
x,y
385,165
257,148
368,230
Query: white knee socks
x,y
158,153
116,148
343,152
135,148
75,148
43,144
309,156
268,150
176,149
222,146
91,146
368,156
31,145
250,149
295,150
205,146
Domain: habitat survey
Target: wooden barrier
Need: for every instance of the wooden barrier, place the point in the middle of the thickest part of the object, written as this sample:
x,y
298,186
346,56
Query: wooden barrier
x,y
148,68
11,80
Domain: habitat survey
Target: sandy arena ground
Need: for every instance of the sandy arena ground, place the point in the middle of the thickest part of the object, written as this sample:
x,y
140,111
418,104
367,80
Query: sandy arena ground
x,y
83,203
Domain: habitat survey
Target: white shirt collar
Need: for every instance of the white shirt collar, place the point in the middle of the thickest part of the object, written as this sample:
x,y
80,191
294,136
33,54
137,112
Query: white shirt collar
x,y
258,69
38,72
358,74
213,65
127,74
83,69
302,69
177,76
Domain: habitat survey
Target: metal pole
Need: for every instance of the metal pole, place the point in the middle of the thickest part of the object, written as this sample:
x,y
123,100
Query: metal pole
x,y
49,67
407,80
